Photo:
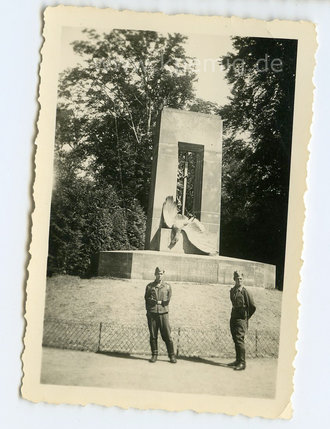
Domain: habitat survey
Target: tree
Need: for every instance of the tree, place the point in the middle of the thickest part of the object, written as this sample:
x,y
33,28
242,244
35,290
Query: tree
x,y
109,105
87,218
257,149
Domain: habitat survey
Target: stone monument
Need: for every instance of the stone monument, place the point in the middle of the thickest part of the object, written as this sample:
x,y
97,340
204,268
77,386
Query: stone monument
x,y
185,240
193,132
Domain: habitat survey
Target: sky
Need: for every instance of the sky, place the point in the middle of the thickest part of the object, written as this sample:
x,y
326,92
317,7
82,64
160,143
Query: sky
x,y
211,84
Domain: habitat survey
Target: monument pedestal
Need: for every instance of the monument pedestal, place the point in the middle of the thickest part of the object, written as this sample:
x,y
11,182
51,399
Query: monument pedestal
x,y
140,264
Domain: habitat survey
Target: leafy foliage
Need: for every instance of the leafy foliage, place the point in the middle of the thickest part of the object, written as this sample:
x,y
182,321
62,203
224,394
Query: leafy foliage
x,y
87,218
257,149
109,105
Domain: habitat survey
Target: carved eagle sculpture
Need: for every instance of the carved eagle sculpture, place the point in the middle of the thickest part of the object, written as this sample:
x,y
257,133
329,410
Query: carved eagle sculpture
x,y
194,229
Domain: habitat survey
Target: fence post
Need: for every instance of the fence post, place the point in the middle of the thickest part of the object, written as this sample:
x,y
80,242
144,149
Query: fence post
x,y
256,344
99,341
178,344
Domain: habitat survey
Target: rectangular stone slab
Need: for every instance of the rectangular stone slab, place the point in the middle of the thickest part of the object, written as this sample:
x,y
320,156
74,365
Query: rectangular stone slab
x,y
141,264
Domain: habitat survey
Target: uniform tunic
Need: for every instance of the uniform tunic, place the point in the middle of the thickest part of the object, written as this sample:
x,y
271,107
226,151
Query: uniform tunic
x,y
243,309
157,314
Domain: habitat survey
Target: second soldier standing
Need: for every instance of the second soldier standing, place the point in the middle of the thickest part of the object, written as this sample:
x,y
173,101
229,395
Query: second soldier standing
x,y
243,308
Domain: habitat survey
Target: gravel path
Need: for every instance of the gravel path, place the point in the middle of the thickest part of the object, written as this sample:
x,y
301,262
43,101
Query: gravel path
x,y
75,368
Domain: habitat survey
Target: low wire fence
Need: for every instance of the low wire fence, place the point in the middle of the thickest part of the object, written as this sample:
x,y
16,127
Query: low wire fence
x,y
188,341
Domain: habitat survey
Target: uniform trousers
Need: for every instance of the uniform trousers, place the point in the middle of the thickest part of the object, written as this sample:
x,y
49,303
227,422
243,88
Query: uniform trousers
x,y
238,328
160,322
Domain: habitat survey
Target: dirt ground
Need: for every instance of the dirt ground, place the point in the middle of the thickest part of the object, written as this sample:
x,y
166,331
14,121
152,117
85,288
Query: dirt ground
x,y
75,368
122,301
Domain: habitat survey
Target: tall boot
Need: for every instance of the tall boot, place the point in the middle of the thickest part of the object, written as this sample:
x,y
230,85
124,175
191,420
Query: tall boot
x,y
242,365
243,357
170,351
154,351
236,361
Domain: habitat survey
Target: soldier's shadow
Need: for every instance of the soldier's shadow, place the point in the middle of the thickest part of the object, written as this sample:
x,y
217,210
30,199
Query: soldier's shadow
x,y
123,355
206,361
190,359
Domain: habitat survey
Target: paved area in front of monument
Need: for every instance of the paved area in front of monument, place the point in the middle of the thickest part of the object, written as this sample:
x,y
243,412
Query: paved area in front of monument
x,y
76,368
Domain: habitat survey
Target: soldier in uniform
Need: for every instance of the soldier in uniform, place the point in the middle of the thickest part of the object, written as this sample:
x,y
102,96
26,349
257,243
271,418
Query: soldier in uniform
x,y
157,298
243,309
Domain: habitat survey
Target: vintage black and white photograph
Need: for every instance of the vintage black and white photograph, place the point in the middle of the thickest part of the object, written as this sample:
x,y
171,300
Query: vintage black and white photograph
x,y
165,250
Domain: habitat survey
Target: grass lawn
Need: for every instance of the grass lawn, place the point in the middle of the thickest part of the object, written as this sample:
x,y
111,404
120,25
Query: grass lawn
x,y
122,301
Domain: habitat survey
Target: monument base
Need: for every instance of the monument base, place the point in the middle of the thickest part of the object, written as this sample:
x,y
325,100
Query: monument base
x,y
140,264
